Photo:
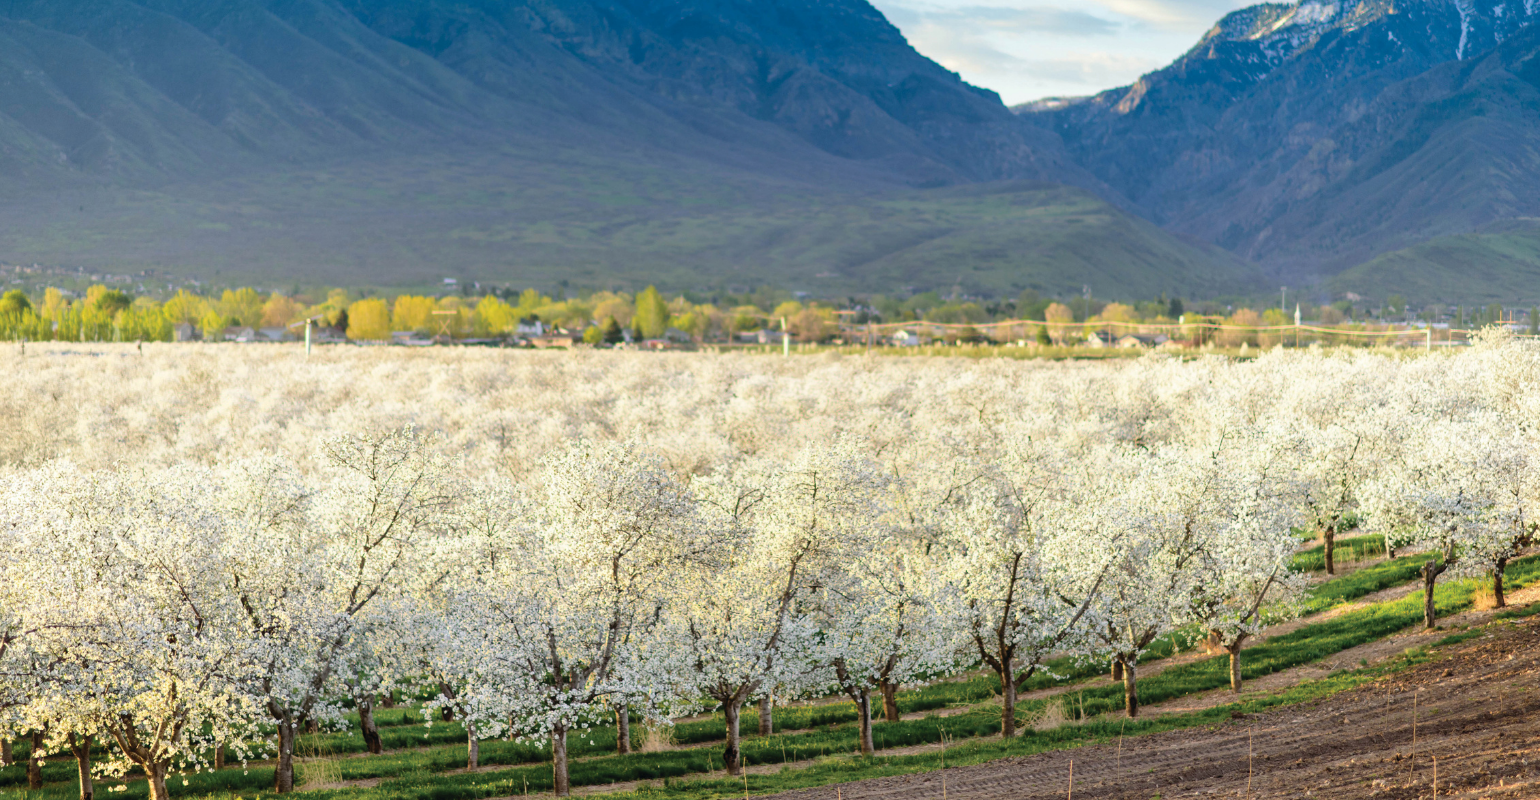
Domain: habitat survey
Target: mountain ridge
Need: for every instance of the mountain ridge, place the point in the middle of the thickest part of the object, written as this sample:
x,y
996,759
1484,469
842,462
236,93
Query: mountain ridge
x,y
1287,134
389,141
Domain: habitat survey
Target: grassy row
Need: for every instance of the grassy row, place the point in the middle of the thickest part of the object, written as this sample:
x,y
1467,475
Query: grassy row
x,y
1304,646
827,771
1357,548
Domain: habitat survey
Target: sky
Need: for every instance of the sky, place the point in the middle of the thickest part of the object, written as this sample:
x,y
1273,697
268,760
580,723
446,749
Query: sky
x,y
1031,49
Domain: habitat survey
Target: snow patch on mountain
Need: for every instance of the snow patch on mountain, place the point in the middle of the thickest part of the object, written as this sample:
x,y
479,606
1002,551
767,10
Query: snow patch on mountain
x,y
1466,9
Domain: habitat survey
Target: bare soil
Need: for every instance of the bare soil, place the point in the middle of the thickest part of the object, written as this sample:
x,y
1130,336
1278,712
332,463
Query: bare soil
x,y
1477,709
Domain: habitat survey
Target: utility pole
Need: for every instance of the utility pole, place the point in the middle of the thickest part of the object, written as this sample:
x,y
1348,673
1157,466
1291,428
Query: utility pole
x,y
1283,302
785,340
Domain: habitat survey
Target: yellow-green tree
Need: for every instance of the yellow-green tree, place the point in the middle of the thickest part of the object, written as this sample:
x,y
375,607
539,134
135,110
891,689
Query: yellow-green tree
x,y
184,306
1058,316
460,324
241,306
15,302
279,311
412,314
213,326
812,324
495,317
651,313
1118,312
1241,328
787,310
369,320
107,302
748,318
609,305
54,304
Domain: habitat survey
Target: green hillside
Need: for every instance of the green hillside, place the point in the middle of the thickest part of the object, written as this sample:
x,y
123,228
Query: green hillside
x,y
1497,263
534,217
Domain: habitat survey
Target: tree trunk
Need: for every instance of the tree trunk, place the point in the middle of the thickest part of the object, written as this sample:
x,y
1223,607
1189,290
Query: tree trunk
x,y
730,710
766,716
1117,670
366,722
561,784
155,775
1497,584
472,750
622,729
447,713
864,709
890,701
1130,689
388,699
1235,664
82,749
35,762
1007,704
283,773
6,759
1430,572
1329,538
219,755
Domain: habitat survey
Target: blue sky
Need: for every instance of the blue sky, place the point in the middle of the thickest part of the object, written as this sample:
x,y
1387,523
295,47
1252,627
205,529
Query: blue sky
x,y
1030,49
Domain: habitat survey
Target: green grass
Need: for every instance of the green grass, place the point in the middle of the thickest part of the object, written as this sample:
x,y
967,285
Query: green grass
x,y
1356,548
838,770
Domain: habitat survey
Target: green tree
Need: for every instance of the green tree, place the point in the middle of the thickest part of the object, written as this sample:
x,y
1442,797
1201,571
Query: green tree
x,y
111,302
213,325
1175,310
14,302
612,332
1042,336
593,334
651,313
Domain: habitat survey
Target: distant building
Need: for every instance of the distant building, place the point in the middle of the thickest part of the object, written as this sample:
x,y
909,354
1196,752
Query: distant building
x,y
409,339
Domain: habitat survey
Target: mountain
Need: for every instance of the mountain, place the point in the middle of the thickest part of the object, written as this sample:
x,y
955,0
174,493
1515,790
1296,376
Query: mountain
x,y
1496,263
1312,137
600,142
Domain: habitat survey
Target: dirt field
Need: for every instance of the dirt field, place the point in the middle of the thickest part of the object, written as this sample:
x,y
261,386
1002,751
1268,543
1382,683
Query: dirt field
x,y
1477,708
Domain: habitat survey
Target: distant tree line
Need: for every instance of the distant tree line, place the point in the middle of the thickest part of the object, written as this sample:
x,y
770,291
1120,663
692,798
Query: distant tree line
x,y
105,314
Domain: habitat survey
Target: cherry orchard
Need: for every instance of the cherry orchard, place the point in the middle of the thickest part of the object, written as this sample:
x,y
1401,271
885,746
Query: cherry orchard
x,y
542,545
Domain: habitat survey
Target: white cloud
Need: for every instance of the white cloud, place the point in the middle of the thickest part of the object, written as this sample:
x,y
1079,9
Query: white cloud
x,y
1027,49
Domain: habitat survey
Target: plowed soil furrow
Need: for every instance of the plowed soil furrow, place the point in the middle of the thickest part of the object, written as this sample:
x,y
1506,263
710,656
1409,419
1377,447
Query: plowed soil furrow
x,y
1477,710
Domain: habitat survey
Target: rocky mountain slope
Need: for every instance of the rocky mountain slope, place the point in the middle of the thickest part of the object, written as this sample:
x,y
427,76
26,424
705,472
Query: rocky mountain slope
x,y
604,142
139,89
1314,136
